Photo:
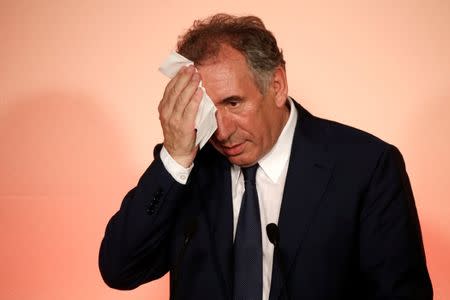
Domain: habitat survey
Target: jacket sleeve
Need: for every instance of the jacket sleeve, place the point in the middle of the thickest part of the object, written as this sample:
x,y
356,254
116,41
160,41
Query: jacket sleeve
x,y
392,258
134,249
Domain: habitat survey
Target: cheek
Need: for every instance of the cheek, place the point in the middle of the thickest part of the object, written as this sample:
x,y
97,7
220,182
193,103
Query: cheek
x,y
253,132
248,121
251,123
247,129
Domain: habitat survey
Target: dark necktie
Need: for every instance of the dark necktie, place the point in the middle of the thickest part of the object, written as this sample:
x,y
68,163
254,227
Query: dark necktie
x,y
248,244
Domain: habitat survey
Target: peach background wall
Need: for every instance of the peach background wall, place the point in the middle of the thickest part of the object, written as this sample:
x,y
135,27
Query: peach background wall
x,y
78,115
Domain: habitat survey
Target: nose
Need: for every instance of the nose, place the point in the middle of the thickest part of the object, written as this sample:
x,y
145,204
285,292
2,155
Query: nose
x,y
225,125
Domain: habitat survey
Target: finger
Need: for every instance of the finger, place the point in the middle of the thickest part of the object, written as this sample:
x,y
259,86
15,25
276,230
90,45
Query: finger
x,y
172,81
185,97
163,106
180,82
190,112
175,86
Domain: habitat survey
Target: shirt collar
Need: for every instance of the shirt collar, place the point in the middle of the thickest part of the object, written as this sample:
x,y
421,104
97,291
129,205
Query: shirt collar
x,y
273,163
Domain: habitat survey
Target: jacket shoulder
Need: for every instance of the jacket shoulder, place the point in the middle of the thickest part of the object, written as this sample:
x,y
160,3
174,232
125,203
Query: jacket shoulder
x,y
338,136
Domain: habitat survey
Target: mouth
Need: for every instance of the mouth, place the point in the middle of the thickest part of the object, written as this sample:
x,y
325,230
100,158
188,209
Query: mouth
x,y
233,150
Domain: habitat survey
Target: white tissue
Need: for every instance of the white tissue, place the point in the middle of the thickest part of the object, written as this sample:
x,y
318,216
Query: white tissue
x,y
205,121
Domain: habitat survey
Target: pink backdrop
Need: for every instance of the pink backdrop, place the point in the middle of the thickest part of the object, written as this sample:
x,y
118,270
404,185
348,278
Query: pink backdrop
x,y
78,116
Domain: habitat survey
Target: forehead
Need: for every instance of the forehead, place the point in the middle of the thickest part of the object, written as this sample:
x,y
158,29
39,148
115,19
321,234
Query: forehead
x,y
226,75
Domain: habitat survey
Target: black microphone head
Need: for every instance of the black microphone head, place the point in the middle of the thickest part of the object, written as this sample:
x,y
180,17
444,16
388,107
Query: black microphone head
x,y
190,228
273,233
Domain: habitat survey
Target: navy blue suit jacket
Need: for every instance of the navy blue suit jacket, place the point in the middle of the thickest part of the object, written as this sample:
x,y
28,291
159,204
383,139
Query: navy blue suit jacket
x,y
348,223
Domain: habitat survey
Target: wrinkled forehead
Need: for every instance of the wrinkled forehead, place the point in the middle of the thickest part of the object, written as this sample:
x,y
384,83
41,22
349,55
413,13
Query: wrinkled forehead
x,y
223,54
227,75
226,64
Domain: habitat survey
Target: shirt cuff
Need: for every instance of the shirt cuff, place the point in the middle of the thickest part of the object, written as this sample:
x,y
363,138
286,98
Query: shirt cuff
x,y
178,172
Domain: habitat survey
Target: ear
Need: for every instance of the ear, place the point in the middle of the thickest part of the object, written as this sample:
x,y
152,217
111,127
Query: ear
x,y
279,86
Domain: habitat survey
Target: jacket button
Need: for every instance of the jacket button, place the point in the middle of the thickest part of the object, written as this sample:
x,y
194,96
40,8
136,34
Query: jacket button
x,y
150,209
157,196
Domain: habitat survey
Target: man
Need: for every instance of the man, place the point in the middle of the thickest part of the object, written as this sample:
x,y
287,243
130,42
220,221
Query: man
x,y
348,226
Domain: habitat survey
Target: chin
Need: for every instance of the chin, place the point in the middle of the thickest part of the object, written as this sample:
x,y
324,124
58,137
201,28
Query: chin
x,y
241,161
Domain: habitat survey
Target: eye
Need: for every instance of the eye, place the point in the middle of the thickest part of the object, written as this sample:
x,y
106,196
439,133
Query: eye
x,y
233,101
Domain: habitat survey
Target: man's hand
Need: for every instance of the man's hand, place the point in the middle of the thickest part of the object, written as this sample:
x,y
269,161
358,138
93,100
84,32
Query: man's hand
x,y
177,111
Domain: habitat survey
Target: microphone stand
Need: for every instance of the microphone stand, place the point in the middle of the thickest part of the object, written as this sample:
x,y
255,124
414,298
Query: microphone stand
x,y
273,233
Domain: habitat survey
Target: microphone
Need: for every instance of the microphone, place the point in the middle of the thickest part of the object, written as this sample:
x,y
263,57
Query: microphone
x,y
273,233
190,228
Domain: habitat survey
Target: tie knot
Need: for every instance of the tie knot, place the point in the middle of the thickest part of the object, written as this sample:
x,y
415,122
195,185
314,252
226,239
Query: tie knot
x,y
250,173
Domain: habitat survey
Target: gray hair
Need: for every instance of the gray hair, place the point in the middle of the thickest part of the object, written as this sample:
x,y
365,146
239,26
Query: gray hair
x,y
246,34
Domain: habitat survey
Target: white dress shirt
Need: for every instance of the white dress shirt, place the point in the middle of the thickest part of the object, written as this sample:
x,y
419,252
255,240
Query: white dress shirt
x,y
270,180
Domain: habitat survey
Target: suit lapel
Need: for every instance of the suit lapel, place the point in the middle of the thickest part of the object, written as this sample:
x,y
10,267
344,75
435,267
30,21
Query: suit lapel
x,y
309,171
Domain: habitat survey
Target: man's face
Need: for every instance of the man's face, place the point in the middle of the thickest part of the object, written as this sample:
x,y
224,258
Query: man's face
x,y
249,123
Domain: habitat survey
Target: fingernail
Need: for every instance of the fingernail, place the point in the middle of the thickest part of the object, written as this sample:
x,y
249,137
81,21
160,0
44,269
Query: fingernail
x,y
196,76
